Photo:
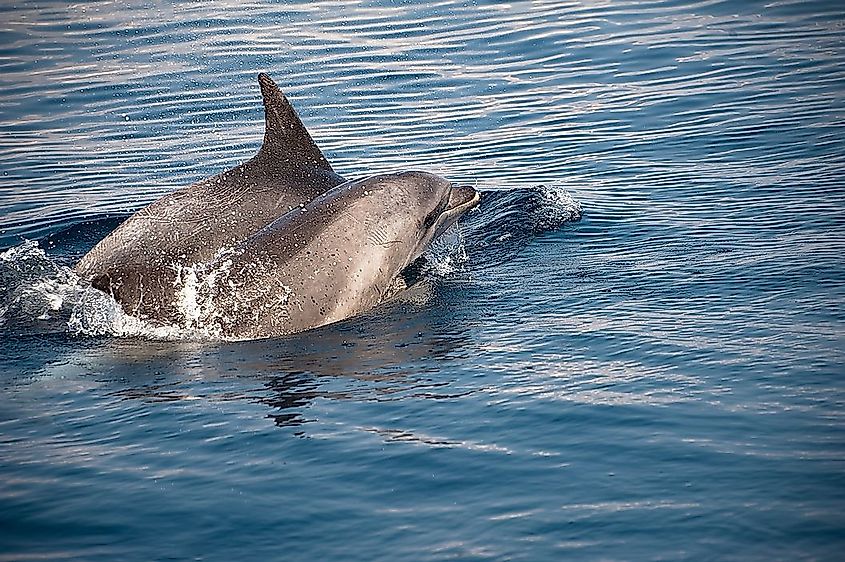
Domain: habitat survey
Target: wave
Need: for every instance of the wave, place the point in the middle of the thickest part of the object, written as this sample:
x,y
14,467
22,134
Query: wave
x,y
40,292
508,220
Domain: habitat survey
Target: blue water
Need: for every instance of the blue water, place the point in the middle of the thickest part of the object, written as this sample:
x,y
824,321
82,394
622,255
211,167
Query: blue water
x,y
661,379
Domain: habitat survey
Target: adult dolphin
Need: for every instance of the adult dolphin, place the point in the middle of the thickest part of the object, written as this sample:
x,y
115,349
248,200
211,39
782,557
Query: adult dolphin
x,y
140,261
337,256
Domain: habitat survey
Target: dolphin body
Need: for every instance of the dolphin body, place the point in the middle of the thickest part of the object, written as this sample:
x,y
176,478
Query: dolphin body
x,y
338,256
277,245
139,263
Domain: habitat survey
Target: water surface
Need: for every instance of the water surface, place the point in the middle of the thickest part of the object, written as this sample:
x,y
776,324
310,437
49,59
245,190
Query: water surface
x,y
661,379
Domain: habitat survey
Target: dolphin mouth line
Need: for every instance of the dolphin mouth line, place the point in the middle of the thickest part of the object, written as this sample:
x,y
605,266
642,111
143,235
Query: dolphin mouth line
x,y
462,198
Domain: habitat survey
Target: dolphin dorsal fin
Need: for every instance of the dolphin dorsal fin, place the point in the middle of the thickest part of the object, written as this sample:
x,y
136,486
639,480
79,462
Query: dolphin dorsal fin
x,y
286,140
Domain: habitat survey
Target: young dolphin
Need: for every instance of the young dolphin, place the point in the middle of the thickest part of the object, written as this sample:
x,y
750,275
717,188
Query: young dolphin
x,y
139,263
335,257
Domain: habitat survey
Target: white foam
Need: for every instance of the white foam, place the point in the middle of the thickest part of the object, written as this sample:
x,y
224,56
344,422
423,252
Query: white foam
x,y
558,207
28,250
95,313
33,286
36,289
197,285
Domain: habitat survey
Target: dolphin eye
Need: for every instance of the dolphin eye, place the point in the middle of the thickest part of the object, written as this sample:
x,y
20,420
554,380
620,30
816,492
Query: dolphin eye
x,y
432,217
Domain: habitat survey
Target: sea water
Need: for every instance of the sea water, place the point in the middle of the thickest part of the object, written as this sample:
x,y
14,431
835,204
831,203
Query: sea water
x,y
633,349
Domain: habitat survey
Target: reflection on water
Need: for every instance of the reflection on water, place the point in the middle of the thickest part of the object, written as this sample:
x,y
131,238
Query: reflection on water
x,y
391,353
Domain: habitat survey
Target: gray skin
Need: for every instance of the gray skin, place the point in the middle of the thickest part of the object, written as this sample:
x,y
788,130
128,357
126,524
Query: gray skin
x,y
139,263
335,257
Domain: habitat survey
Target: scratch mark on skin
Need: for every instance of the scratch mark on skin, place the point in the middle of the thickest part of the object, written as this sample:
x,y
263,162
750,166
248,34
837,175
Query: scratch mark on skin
x,y
378,237
214,199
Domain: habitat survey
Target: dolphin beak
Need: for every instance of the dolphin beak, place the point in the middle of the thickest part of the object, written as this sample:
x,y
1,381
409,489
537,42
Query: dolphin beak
x,y
462,198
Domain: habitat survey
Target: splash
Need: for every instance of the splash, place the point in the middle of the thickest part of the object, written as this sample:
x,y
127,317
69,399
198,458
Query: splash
x,y
40,295
447,254
33,287
95,313
509,219
196,286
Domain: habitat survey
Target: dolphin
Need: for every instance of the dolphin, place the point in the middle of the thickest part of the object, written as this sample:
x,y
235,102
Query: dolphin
x,y
337,256
139,263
